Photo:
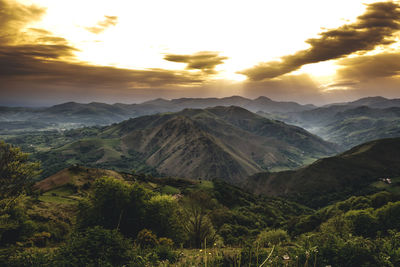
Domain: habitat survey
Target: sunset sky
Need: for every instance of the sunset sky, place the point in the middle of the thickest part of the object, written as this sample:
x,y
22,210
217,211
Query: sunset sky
x,y
130,51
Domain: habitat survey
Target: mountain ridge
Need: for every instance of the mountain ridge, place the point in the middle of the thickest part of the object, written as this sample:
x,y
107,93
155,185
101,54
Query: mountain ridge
x,y
352,170
220,142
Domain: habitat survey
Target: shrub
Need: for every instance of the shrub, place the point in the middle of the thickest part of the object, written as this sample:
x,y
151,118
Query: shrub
x,y
146,239
272,237
96,247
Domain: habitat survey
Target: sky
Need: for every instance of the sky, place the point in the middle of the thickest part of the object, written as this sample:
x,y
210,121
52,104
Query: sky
x,y
131,51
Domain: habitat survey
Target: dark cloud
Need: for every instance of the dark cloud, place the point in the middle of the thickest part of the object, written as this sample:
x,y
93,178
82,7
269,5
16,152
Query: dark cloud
x,y
341,84
369,75
41,64
36,64
376,27
13,16
205,61
369,67
104,24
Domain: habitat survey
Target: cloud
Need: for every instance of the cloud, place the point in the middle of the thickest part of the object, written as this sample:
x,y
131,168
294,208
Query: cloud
x,y
375,27
300,88
205,61
36,64
369,67
369,75
14,16
42,64
104,24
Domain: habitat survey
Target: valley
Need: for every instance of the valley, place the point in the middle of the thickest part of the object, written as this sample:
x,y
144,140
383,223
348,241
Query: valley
x,y
255,181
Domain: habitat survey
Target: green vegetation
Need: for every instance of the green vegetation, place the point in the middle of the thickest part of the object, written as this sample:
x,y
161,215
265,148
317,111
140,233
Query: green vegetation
x,y
357,171
84,216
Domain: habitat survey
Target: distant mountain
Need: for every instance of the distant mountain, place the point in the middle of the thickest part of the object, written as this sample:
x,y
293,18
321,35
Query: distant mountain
x,y
373,102
350,124
220,142
320,115
329,178
73,115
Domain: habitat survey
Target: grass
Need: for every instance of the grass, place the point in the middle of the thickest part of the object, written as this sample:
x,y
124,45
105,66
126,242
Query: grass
x,y
207,257
394,187
279,169
308,161
170,190
62,194
204,184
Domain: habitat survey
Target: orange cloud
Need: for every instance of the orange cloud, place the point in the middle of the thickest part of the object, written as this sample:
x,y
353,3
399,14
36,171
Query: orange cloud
x,y
205,61
103,25
375,27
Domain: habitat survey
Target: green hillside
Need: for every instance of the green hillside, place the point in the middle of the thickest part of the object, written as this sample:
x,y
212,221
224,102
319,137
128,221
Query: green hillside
x,y
335,177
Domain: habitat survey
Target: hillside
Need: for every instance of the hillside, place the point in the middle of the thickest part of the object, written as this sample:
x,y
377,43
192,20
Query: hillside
x,y
221,142
351,171
362,124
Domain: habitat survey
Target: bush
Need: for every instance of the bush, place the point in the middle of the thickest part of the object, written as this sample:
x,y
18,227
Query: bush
x,y
272,237
96,247
31,257
146,239
363,223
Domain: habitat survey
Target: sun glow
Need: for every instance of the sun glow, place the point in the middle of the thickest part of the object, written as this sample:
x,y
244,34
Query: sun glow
x,y
147,30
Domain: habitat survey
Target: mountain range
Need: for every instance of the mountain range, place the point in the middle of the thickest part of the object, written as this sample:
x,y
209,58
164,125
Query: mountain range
x,y
73,115
221,142
349,124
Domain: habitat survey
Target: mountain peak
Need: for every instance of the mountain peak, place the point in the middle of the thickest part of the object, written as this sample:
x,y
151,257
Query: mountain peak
x,y
157,101
263,98
368,100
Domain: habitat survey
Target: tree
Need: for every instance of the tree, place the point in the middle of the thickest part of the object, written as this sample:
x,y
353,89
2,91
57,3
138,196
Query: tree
x,y
197,224
162,217
115,204
16,175
16,171
96,247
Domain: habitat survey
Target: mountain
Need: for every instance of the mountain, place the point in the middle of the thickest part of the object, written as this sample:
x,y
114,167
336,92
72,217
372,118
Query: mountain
x,y
220,142
350,124
373,102
362,124
351,171
320,115
73,115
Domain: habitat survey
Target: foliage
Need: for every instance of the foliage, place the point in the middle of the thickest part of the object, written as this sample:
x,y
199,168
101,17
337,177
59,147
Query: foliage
x,y
95,246
131,223
117,204
16,171
32,257
146,239
114,204
162,216
196,222
272,237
